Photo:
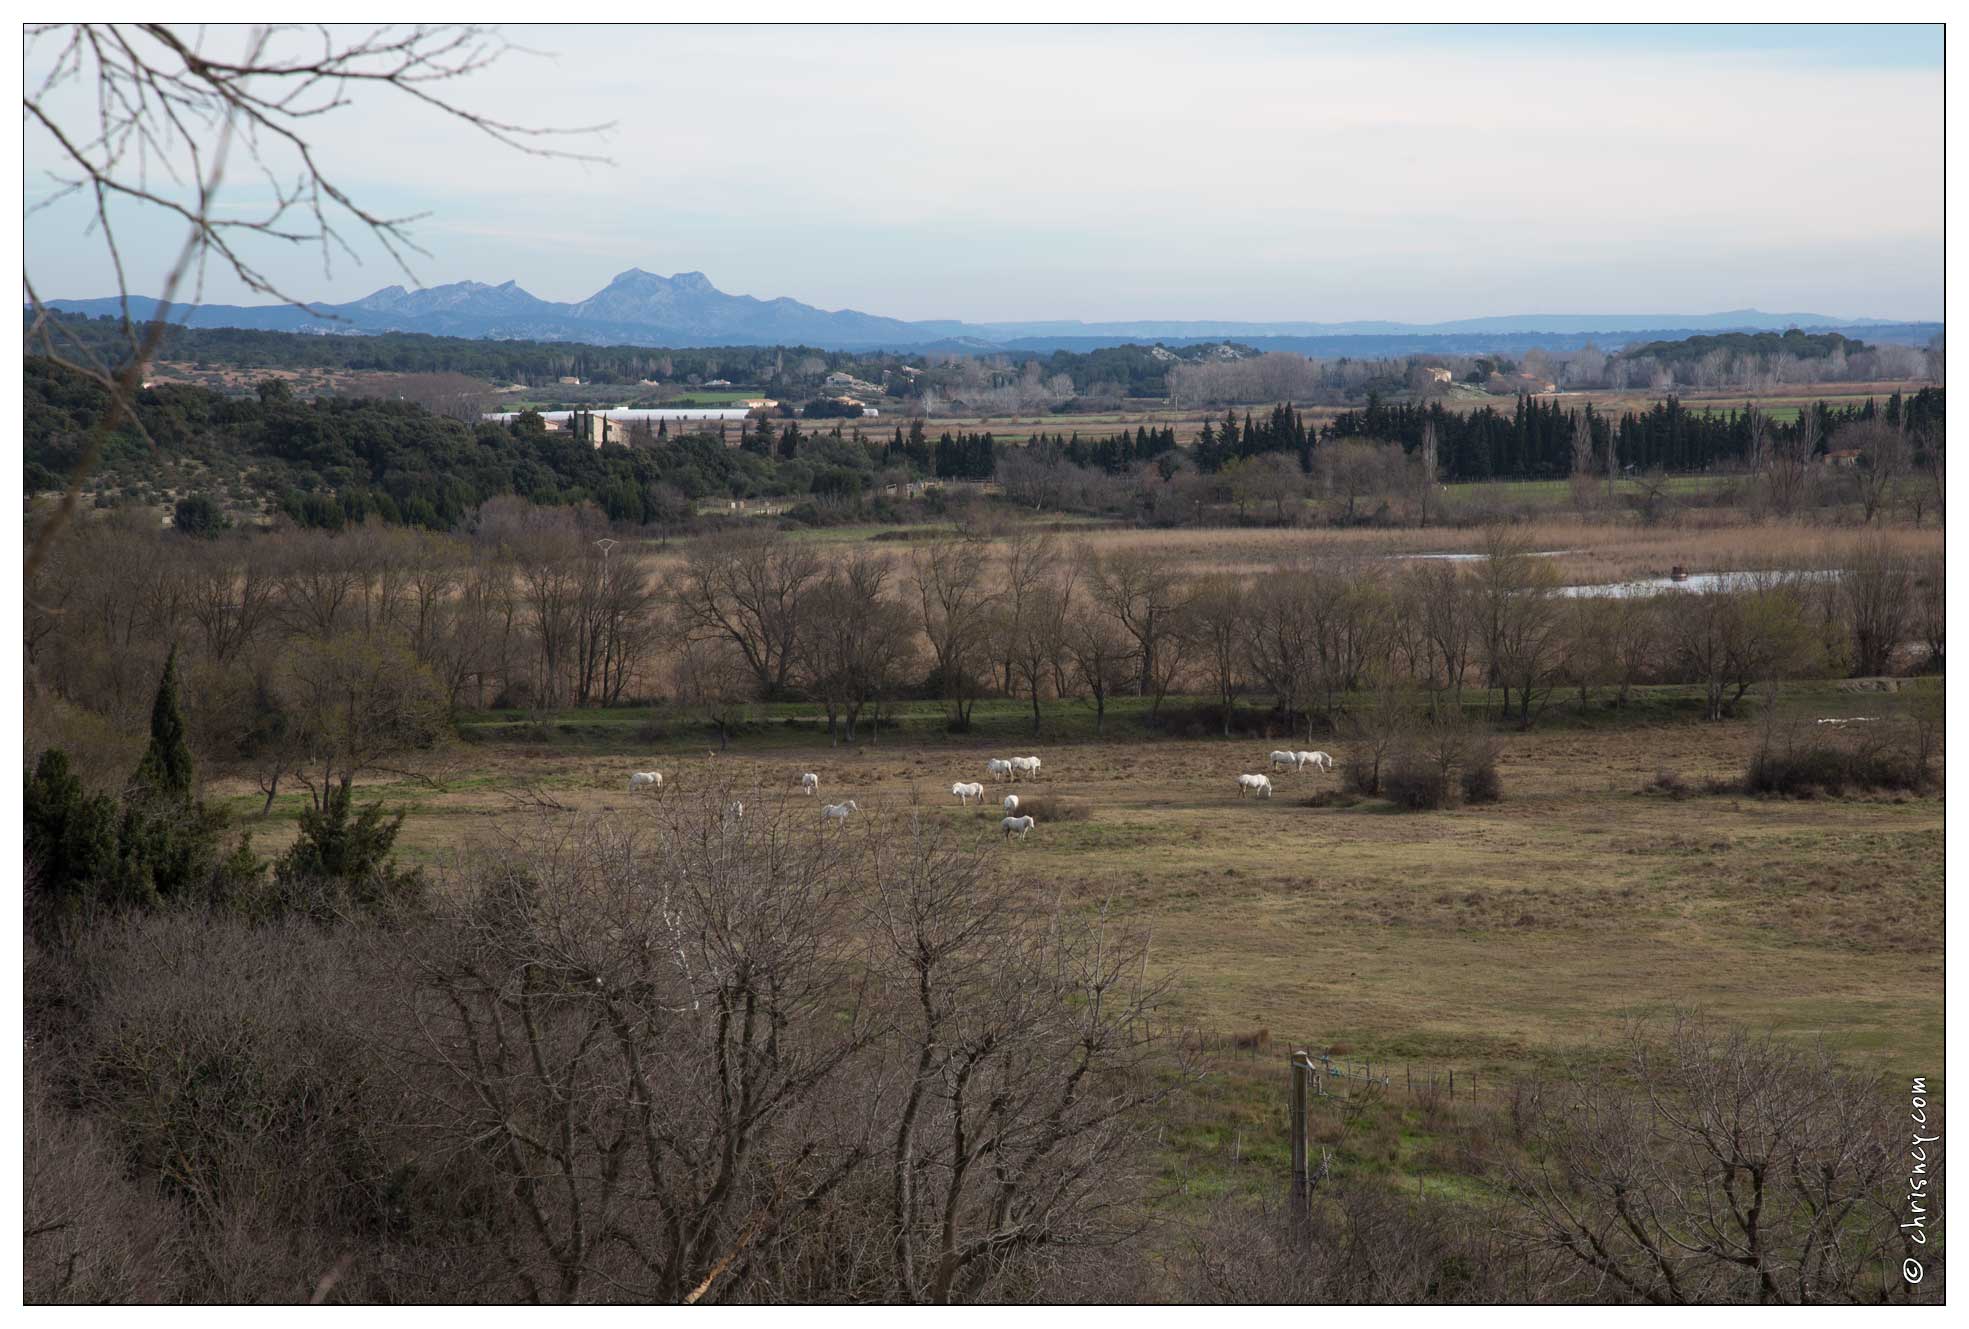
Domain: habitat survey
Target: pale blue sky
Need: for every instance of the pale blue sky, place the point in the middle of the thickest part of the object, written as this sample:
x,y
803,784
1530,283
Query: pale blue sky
x,y
1319,173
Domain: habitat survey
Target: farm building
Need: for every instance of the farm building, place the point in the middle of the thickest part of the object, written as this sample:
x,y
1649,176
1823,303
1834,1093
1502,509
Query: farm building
x,y
613,426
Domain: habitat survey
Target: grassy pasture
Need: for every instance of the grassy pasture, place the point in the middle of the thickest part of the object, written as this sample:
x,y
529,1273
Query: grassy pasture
x,y
1486,936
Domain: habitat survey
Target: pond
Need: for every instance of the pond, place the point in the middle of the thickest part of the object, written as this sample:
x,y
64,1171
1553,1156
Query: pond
x,y
1695,581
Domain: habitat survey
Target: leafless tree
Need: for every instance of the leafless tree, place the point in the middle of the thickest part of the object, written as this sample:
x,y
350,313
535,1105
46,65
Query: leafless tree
x,y
1931,608
1447,611
1745,630
1884,460
860,633
353,701
955,607
231,594
1023,1092
1036,639
1879,591
712,675
1220,624
713,1059
1281,649
1588,650
1634,632
644,1027
1930,462
1348,613
750,587
1758,425
148,120
1354,469
1791,463
1428,471
1103,657
1516,599
1613,464
1143,591
1723,1167
1382,726
1581,477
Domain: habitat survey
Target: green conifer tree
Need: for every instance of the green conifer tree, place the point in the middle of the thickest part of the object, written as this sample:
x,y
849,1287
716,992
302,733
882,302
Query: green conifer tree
x,y
166,768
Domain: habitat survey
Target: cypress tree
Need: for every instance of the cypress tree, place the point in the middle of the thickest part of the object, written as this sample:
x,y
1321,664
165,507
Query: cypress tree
x,y
166,768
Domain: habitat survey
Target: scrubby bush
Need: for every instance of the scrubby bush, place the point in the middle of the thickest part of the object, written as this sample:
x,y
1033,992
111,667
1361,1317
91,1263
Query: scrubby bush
x,y
1414,784
1479,778
92,1234
342,861
1803,761
199,515
239,1126
1670,782
1807,769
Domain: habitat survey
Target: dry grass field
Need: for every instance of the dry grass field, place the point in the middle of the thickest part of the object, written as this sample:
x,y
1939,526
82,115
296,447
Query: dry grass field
x,y
1488,935
1584,552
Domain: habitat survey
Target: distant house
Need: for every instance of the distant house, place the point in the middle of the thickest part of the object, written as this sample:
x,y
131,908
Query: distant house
x,y
569,379
848,383
718,383
1440,375
1843,457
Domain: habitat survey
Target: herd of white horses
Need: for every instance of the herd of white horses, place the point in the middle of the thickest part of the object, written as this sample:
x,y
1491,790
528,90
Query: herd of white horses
x,y
1005,768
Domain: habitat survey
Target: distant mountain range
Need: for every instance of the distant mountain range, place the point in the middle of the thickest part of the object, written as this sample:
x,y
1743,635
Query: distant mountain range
x,y
642,308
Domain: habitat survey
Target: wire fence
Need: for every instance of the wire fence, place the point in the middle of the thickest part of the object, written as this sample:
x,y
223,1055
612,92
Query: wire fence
x,y
1335,1074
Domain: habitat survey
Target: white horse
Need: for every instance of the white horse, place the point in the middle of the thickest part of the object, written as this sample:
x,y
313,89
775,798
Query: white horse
x,y
1016,826
839,811
1011,805
966,792
1319,761
810,783
1260,785
646,780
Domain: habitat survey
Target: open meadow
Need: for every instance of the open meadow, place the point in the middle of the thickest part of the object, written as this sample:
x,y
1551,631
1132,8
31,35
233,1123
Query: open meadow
x,y
1488,937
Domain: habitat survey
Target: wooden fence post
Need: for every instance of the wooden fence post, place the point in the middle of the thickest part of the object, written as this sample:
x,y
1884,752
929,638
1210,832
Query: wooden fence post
x,y
1301,1197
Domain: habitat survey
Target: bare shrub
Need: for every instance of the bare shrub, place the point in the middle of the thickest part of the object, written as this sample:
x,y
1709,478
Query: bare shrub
x,y
91,1234
1363,1243
1478,777
1803,761
240,1077
710,1055
1047,808
1670,782
1730,1168
1414,784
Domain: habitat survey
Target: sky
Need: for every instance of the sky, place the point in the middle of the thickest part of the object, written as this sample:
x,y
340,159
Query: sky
x,y
1313,173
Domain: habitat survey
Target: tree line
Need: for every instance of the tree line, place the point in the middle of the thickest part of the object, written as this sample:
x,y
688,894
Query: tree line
x,y
1537,438
310,657
329,463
